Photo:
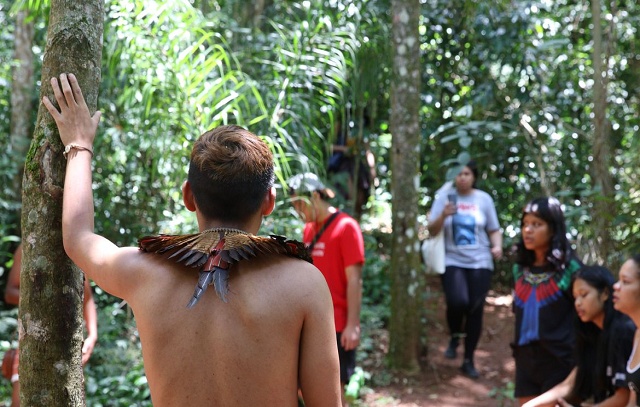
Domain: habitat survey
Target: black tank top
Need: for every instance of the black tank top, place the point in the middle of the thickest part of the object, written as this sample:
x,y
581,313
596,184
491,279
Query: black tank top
x,y
633,377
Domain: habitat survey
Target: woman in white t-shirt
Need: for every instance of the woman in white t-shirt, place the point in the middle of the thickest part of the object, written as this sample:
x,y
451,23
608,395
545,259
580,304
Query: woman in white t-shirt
x,y
472,239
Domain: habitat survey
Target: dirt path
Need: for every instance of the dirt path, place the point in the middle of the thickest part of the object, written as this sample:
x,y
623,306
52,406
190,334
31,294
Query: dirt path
x,y
442,384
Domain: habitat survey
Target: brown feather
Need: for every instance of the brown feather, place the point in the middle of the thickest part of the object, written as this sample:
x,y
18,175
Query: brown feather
x,y
214,250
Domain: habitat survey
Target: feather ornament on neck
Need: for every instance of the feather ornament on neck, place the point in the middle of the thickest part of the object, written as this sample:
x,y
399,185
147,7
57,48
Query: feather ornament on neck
x,y
213,251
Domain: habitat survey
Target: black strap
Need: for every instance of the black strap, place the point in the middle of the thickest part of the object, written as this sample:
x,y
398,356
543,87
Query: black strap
x,y
322,229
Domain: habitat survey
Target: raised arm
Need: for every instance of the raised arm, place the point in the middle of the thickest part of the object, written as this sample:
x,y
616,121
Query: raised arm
x,y
77,130
100,259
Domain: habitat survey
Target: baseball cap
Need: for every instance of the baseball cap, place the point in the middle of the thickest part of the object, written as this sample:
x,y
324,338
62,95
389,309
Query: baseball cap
x,y
307,183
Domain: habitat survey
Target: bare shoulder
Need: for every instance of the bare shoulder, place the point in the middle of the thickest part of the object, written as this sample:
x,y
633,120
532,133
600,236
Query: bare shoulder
x,y
299,273
311,281
304,274
285,279
303,270
120,271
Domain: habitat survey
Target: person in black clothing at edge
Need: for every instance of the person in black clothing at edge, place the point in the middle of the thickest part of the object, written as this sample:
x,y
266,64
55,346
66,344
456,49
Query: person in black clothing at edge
x,y
604,338
626,299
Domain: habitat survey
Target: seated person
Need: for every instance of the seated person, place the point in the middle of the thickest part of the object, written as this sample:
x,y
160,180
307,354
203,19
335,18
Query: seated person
x,y
604,338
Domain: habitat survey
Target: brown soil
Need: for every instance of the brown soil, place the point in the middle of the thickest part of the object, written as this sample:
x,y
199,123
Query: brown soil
x,y
441,382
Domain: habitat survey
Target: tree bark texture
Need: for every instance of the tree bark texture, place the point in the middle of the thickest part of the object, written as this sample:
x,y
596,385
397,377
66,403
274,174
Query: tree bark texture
x,y
602,179
21,91
406,290
51,288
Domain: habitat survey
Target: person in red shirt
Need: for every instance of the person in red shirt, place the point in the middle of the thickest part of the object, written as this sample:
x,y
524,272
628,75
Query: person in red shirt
x,y
337,248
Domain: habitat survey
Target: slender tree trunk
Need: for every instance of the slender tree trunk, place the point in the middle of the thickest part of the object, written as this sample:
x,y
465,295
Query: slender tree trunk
x,y
405,128
600,172
21,92
51,288
249,13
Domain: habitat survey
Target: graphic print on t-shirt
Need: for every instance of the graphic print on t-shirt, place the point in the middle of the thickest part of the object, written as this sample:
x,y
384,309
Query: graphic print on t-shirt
x,y
464,224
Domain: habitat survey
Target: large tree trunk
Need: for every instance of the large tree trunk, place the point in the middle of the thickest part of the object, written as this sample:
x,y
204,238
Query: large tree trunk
x,y
22,86
405,127
51,288
602,179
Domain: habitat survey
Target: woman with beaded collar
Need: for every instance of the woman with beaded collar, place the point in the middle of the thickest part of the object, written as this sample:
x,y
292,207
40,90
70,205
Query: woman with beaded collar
x,y
544,337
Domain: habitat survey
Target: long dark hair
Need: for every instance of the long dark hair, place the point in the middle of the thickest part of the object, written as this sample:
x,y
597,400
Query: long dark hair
x,y
591,375
636,259
548,209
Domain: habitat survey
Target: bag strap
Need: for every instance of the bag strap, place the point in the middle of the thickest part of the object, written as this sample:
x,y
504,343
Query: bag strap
x,y
322,229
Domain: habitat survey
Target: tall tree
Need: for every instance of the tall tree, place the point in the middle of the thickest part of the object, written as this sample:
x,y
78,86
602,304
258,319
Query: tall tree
x,y
405,130
21,94
51,288
602,178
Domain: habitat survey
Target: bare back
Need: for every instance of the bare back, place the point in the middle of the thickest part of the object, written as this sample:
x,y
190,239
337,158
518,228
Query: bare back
x,y
274,334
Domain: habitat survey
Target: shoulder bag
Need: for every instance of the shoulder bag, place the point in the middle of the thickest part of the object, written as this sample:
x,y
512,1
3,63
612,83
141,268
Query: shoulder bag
x,y
433,253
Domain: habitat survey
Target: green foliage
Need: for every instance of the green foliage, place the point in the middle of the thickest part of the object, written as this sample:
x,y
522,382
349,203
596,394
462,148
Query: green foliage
x,y
129,388
171,73
376,275
157,58
512,87
9,204
8,339
508,84
376,297
303,59
503,395
30,4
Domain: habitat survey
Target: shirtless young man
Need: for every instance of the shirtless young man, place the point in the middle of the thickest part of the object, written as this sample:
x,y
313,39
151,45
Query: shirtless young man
x,y
275,332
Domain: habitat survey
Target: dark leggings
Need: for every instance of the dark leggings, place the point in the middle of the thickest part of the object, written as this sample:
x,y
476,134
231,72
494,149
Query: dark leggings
x,y
465,291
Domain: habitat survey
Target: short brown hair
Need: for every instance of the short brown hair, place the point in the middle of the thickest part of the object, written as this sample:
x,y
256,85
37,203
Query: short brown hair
x,y
230,173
